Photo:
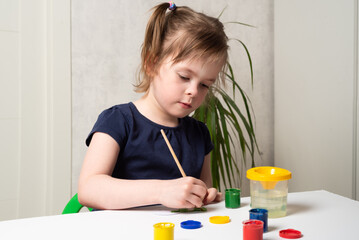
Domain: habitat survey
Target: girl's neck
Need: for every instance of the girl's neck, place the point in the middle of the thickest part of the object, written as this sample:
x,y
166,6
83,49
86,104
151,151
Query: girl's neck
x,y
153,112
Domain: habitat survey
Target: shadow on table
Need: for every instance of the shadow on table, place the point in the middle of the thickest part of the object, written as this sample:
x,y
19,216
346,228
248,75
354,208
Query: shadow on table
x,y
159,209
297,208
272,228
270,238
244,204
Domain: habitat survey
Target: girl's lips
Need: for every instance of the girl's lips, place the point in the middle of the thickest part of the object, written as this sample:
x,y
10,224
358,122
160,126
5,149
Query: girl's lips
x,y
186,105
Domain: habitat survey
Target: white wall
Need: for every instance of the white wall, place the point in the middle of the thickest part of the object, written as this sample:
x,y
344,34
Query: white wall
x,y
315,93
9,114
106,41
356,103
35,103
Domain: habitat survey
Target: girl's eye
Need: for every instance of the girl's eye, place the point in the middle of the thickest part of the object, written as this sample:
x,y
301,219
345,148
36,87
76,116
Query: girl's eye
x,y
183,77
204,85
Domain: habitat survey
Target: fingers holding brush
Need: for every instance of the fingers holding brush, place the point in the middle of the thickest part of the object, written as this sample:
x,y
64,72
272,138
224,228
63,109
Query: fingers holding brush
x,y
186,192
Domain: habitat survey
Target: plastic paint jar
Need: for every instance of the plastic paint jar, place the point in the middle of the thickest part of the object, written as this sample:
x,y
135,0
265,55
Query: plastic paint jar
x,y
164,231
252,230
233,198
269,189
260,214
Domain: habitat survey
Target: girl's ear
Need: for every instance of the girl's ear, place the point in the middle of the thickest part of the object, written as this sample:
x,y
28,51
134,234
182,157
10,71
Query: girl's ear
x,y
150,71
150,67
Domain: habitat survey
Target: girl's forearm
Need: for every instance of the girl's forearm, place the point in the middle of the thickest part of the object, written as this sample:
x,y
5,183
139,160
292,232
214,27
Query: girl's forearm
x,y
106,192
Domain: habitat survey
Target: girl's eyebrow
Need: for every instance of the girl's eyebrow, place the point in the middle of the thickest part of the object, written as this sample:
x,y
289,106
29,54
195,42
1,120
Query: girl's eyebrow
x,y
194,73
186,69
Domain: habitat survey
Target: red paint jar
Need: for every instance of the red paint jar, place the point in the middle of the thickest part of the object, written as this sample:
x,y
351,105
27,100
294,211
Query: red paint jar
x,y
252,230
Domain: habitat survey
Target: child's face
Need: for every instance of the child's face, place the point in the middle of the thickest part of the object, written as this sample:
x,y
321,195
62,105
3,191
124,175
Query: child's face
x,y
180,88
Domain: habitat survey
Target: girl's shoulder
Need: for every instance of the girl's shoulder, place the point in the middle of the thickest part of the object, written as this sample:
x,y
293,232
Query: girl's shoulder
x,y
115,117
116,121
120,110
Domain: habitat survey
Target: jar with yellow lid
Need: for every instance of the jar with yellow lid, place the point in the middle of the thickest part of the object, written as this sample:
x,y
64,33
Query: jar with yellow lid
x,y
269,189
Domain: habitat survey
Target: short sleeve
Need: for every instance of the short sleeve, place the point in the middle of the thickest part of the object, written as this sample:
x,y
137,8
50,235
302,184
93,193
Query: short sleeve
x,y
112,122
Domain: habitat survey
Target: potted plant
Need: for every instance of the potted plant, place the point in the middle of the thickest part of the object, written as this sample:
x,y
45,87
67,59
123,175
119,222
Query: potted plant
x,y
228,125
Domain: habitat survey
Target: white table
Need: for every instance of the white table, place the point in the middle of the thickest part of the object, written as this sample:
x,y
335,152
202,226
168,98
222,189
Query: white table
x,y
317,214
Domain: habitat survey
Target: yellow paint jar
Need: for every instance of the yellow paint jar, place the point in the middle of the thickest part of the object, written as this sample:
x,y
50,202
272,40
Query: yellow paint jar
x,y
164,231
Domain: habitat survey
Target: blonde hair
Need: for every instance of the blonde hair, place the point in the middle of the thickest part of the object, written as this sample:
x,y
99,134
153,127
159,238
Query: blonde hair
x,y
181,33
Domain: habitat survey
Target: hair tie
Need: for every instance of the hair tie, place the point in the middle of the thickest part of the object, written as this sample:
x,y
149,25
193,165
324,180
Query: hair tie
x,y
172,6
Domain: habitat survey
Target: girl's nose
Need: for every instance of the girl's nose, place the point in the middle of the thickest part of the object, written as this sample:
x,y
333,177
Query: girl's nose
x,y
192,89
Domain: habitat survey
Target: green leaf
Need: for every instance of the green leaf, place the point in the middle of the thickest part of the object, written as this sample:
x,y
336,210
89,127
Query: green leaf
x,y
219,16
249,58
240,23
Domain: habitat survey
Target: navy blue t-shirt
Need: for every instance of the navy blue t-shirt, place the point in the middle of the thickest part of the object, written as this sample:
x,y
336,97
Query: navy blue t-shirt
x,y
143,150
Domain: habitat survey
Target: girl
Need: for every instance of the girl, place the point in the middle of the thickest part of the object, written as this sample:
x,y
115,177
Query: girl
x,y
128,163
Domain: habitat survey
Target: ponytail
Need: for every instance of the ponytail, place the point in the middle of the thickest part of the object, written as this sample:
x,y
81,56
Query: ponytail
x,y
154,35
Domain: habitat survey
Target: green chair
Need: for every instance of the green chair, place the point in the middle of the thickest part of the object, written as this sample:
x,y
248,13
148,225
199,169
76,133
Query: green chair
x,y
73,206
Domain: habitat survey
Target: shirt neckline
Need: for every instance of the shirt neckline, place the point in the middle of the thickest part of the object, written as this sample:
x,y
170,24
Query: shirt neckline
x,y
144,118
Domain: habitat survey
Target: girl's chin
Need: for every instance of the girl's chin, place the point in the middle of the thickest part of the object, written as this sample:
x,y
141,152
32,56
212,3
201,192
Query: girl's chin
x,y
183,115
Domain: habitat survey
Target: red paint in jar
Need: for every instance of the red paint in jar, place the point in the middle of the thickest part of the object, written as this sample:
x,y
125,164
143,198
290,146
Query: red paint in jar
x,y
252,230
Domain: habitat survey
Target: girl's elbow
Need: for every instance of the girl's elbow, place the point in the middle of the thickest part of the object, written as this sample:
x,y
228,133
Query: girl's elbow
x,y
81,198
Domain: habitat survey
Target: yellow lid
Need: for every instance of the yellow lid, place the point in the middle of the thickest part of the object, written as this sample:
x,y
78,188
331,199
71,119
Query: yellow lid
x,y
219,219
268,174
163,225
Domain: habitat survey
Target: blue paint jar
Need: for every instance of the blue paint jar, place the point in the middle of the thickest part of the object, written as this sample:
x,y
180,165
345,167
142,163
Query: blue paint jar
x,y
260,214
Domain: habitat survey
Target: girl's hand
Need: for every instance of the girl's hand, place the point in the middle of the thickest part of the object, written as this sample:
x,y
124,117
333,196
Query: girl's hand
x,y
212,196
186,192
